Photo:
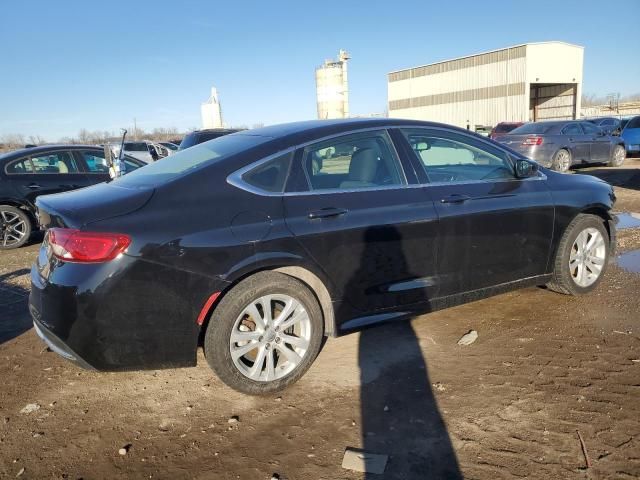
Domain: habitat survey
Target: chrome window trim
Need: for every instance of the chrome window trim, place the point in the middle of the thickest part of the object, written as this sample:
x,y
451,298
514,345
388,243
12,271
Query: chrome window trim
x,y
235,178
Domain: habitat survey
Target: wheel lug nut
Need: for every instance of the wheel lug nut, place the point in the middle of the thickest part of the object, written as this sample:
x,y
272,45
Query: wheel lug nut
x,y
260,339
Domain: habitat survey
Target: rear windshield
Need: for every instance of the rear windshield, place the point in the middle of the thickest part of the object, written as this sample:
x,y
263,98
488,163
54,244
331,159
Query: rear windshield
x,y
135,147
528,128
505,127
633,123
185,161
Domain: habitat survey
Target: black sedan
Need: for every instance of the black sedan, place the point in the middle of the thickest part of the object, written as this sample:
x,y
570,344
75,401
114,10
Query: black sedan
x,y
562,144
27,173
262,242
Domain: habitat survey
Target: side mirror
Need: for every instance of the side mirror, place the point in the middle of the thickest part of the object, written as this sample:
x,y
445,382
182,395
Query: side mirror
x,y
525,169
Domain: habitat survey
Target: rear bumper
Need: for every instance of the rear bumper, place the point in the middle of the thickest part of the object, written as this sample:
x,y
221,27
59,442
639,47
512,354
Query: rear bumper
x,y
57,345
122,315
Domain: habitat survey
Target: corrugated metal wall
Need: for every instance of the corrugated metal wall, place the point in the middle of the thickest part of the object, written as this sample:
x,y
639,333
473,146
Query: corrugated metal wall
x,y
483,90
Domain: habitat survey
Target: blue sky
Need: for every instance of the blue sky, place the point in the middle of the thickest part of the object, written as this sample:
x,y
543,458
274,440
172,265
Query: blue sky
x,y
69,65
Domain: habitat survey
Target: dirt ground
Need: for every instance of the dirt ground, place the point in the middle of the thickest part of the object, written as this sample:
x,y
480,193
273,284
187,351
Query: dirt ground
x,y
545,367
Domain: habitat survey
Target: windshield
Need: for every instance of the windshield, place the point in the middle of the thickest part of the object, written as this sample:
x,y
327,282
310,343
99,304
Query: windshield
x,y
633,123
505,127
185,161
529,128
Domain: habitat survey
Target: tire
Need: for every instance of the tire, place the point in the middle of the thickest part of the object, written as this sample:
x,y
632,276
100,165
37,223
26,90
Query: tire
x,y
565,276
618,156
15,227
231,316
561,161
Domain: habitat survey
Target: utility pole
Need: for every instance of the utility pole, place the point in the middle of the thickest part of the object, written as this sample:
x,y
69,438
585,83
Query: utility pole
x,y
135,129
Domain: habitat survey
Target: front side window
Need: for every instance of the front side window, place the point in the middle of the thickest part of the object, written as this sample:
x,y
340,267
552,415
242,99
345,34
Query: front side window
x,y
270,176
95,161
55,162
572,129
451,157
357,161
591,129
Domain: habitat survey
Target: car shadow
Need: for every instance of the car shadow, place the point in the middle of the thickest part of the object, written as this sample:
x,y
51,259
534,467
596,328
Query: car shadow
x,y
619,177
399,412
14,298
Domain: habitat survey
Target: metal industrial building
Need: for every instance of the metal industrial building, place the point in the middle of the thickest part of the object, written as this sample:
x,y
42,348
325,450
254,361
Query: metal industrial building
x,y
530,82
332,88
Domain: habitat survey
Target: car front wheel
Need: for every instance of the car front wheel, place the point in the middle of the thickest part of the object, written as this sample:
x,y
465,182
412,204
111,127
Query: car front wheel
x,y
618,157
582,256
264,334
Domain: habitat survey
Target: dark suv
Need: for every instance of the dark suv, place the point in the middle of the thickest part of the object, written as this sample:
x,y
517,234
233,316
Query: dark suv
x,y
201,136
30,172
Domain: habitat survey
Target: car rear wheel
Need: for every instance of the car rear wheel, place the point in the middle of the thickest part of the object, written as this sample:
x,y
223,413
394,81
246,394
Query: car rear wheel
x,y
561,160
618,157
582,256
264,334
15,227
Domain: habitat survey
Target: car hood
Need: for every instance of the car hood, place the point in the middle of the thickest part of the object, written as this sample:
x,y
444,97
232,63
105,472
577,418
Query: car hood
x,y
82,207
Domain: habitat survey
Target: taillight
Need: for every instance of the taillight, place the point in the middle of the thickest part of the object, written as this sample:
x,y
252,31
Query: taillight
x,y
86,247
532,141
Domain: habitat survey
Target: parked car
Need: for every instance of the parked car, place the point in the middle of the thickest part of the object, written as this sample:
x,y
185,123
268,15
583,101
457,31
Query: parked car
x,y
241,243
561,144
503,128
144,150
171,147
609,125
631,135
27,173
199,136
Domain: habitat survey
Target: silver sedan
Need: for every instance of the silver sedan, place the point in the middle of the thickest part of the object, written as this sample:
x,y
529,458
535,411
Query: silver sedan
x,y
563,144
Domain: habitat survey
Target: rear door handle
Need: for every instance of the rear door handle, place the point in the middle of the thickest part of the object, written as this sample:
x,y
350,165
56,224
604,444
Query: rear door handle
x,y
33,186
327,212
455,198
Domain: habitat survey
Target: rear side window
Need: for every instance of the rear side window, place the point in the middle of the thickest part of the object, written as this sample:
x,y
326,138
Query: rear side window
x,y
608,121
357,161
270,176
19,166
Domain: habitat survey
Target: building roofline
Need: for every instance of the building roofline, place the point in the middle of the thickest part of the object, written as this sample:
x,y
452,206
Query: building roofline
x,y
487,52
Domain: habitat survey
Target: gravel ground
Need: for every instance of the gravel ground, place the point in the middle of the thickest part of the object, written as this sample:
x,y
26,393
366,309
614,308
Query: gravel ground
x,y
544,367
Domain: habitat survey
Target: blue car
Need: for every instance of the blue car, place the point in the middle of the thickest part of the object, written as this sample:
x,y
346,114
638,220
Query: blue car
x,y
631,136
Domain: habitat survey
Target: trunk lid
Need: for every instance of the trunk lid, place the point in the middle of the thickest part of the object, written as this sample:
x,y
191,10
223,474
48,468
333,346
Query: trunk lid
x,y
82,207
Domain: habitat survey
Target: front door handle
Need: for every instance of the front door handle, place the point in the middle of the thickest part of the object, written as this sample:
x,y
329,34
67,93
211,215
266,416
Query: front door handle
x,y
455,198
33,186
327,212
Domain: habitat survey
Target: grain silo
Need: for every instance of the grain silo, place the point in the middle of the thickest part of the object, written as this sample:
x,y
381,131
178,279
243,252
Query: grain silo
x,y
332,88
210,110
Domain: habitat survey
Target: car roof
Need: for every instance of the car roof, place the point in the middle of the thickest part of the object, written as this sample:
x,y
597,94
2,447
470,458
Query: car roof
x,y
304,131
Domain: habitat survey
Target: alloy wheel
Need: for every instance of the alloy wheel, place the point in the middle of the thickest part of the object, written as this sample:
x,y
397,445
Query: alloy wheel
x,y
563,161
13,228
588,254
270,338
619,156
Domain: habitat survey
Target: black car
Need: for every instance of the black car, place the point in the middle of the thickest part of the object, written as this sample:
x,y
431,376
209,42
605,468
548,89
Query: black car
x,y
245,243
27,173
200,136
